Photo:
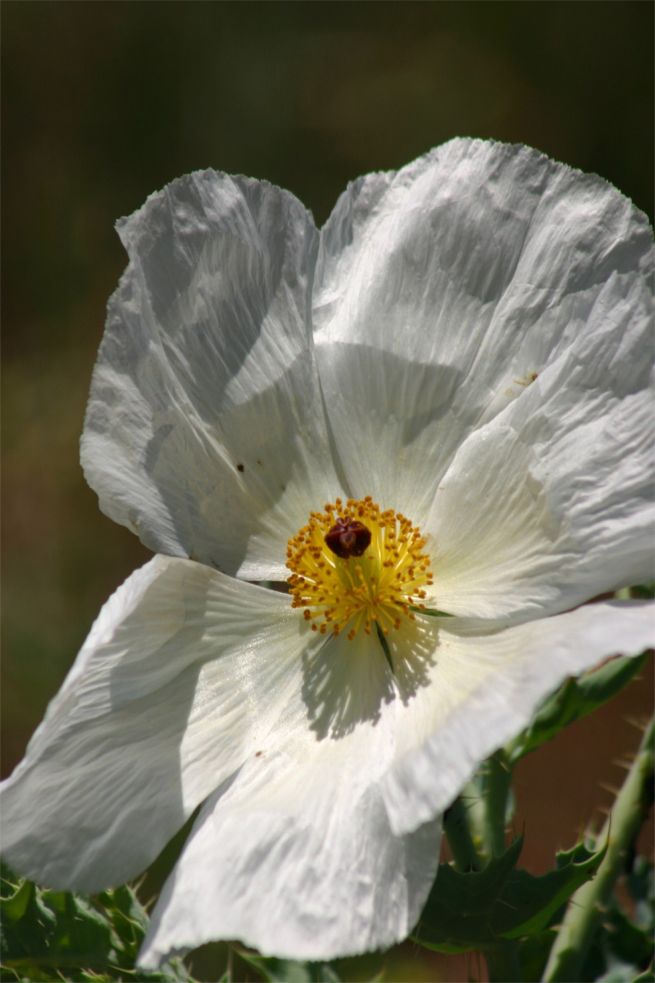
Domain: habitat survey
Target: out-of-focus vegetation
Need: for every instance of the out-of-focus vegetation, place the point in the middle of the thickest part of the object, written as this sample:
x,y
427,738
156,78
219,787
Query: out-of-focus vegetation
x,y
105,102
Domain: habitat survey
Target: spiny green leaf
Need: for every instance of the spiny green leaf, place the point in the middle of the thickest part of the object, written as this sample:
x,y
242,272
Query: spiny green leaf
x,y
578,854
128,917
13,908
52,935
476,910
575,699
531,902
457,916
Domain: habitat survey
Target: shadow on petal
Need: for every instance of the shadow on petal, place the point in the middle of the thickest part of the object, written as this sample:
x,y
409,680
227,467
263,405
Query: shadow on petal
x,y
347,683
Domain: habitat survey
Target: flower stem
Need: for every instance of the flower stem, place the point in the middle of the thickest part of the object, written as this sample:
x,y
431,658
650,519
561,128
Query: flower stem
x,y
460,841
497,784
503,962
585,907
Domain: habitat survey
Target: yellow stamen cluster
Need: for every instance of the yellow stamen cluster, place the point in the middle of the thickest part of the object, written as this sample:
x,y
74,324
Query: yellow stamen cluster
x,y
381,586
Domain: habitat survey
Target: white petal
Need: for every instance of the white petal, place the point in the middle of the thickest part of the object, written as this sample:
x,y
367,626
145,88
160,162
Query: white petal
x,y
297,858
552,502
487,687
184,675
325,848
323,880
441,289
205,431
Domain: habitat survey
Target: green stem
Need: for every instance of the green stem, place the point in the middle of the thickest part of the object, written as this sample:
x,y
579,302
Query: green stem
x,y
585,907
472,797
460,841
497,785
503,962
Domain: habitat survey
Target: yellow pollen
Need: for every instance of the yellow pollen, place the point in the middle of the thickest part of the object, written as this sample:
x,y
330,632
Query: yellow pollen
x,y
379,587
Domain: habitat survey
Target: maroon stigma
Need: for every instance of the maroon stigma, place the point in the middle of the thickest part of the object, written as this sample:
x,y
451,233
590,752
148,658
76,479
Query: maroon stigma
x,y
348,538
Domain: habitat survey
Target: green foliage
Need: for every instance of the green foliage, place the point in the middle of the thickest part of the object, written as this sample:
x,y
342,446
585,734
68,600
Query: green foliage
x,y
502,907
575,699
50,935
55,935
622,950
478,910
286,971
643,592
514,917
640,882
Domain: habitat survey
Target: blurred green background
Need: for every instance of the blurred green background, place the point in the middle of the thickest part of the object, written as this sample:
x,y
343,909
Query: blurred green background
x,y
105,102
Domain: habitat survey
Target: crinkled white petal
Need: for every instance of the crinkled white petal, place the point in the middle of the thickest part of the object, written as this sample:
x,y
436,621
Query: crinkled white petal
x,y
298,860
327,847
185,674
486,688
194,684
205,432
552,502
324,768
296,856
442,289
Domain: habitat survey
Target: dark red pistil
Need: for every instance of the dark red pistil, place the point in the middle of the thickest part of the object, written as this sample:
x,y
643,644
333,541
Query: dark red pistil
x,y
348,538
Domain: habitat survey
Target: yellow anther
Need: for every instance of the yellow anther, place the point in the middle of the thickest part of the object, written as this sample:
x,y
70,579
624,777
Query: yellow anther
x,y
379,586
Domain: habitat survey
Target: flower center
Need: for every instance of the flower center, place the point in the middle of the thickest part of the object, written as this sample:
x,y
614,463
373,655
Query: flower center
x,y
354,566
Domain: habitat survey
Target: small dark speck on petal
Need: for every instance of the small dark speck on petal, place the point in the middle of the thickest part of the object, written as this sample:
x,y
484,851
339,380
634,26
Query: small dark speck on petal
x,y
241,468
258,754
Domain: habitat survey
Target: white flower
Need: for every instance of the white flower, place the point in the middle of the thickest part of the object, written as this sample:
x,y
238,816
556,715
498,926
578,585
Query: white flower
x,y
465,344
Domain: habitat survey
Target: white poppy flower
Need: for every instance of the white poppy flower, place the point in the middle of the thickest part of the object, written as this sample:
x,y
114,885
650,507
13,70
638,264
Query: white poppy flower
x,y
460,357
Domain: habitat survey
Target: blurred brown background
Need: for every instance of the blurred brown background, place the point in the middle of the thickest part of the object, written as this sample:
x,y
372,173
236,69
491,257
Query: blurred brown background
x,y
105,102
